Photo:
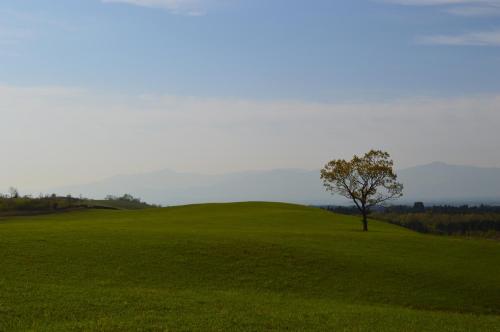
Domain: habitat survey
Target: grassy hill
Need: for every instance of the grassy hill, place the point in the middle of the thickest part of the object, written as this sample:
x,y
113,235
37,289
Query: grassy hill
x,y
240,267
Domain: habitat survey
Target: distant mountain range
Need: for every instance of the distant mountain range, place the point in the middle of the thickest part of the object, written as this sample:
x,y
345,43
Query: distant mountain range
x,y
435,183
443,183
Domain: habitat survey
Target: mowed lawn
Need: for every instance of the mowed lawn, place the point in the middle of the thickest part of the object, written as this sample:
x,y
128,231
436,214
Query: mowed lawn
x,y
240,267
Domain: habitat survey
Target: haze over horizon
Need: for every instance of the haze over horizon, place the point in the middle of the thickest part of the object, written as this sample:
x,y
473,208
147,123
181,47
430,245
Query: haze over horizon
x,y
434,183
95,88
174,171
59,189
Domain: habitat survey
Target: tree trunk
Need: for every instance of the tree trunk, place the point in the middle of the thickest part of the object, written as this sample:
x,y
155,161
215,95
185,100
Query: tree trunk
x,y
365,222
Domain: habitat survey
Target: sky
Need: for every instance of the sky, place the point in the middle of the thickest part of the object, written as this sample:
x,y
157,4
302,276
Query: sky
x,y
94,88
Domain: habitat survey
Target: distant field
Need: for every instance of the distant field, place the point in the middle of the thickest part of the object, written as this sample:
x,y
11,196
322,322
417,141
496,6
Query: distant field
x,y
240,267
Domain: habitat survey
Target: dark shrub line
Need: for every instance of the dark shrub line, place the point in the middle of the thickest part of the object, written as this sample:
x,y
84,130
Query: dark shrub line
x,y
482,220
468,224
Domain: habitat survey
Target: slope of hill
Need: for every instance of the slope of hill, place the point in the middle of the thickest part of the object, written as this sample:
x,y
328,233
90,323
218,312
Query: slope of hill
x,y
432,183
240,267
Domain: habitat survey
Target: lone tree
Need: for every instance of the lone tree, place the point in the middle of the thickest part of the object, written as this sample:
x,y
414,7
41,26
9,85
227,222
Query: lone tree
x,y
13,192
368,180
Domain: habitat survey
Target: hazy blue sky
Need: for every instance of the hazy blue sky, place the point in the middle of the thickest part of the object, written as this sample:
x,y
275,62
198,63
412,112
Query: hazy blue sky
x,y
92,88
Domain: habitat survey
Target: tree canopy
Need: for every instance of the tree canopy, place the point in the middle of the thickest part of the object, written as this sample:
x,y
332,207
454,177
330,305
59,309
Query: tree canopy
x,y
368,180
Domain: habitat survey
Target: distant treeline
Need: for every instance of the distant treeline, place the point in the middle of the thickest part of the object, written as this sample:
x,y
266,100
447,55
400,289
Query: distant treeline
x,y
482,220
27,204
448,209
417,207
468,224
15,204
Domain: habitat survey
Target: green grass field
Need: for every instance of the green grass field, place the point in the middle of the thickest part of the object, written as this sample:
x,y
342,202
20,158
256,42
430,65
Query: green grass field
x,y
240,267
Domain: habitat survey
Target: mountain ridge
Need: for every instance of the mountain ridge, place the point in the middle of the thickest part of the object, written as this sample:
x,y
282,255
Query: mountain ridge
x,y
433,183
